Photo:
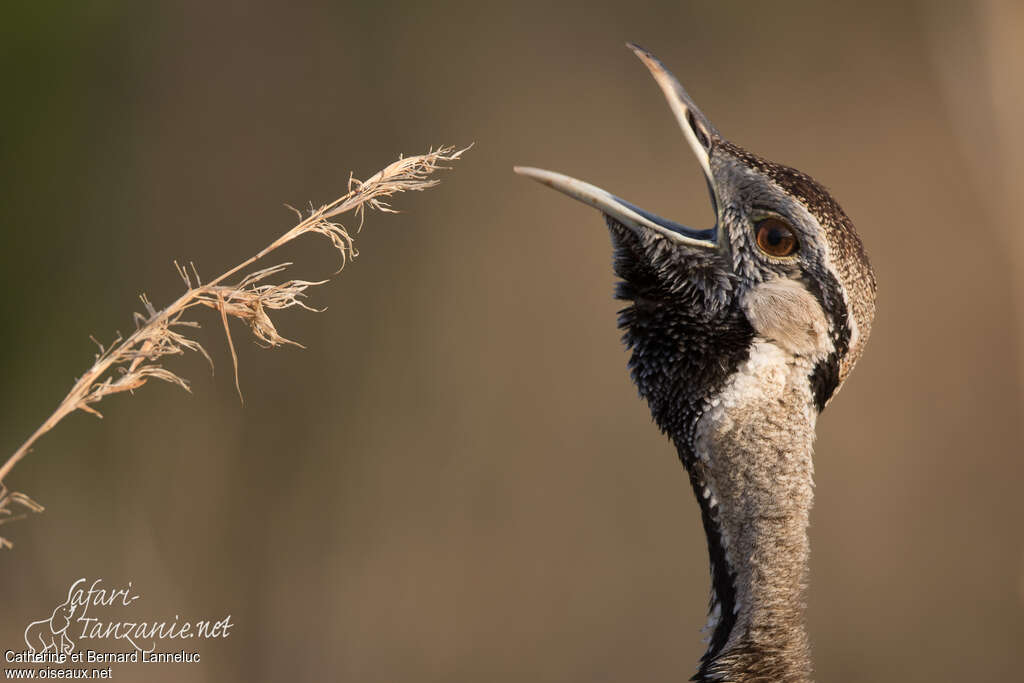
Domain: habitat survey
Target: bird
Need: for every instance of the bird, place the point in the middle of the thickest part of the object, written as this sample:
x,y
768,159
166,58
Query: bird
x,y
739,335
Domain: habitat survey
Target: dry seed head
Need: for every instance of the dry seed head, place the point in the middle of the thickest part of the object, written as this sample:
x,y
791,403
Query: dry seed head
x,y
128,363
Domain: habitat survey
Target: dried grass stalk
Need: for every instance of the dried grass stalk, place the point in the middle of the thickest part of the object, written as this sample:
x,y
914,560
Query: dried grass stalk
x,y
129,363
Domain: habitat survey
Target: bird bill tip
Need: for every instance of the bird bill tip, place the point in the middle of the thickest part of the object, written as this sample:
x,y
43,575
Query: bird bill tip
x,y
549,178
638,49
646,56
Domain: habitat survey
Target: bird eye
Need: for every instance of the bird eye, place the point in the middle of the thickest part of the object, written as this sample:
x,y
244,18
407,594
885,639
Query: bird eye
x,y
775,238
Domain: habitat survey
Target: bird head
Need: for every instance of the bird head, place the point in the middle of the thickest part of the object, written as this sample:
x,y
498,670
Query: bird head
x,y
781,265
740,335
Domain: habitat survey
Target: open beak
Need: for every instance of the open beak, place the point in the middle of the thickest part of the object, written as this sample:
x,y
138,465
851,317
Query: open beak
x,y
700,135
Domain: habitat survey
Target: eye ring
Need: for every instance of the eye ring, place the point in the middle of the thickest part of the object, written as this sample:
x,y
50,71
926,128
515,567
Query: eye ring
x,y
775,237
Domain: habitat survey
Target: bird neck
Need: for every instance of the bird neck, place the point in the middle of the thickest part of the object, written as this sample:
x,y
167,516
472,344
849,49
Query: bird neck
x,y
751,468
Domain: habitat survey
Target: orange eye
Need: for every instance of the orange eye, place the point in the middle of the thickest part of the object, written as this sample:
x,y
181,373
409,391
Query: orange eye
x,y
776,238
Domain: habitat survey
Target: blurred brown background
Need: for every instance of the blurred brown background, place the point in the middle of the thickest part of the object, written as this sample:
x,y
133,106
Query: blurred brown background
x,y
456,480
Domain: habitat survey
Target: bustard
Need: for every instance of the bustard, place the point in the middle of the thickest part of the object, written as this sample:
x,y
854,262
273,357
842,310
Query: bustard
x,y
740,335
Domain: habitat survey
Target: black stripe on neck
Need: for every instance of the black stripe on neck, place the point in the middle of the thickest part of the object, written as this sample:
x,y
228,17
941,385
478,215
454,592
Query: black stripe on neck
x,y
824,378
722,577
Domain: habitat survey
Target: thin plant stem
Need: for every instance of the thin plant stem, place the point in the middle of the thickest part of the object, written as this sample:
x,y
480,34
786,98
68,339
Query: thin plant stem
x,y
129,363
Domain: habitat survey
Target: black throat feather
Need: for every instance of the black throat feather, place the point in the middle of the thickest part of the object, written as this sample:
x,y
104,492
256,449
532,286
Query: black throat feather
x,y
686,339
